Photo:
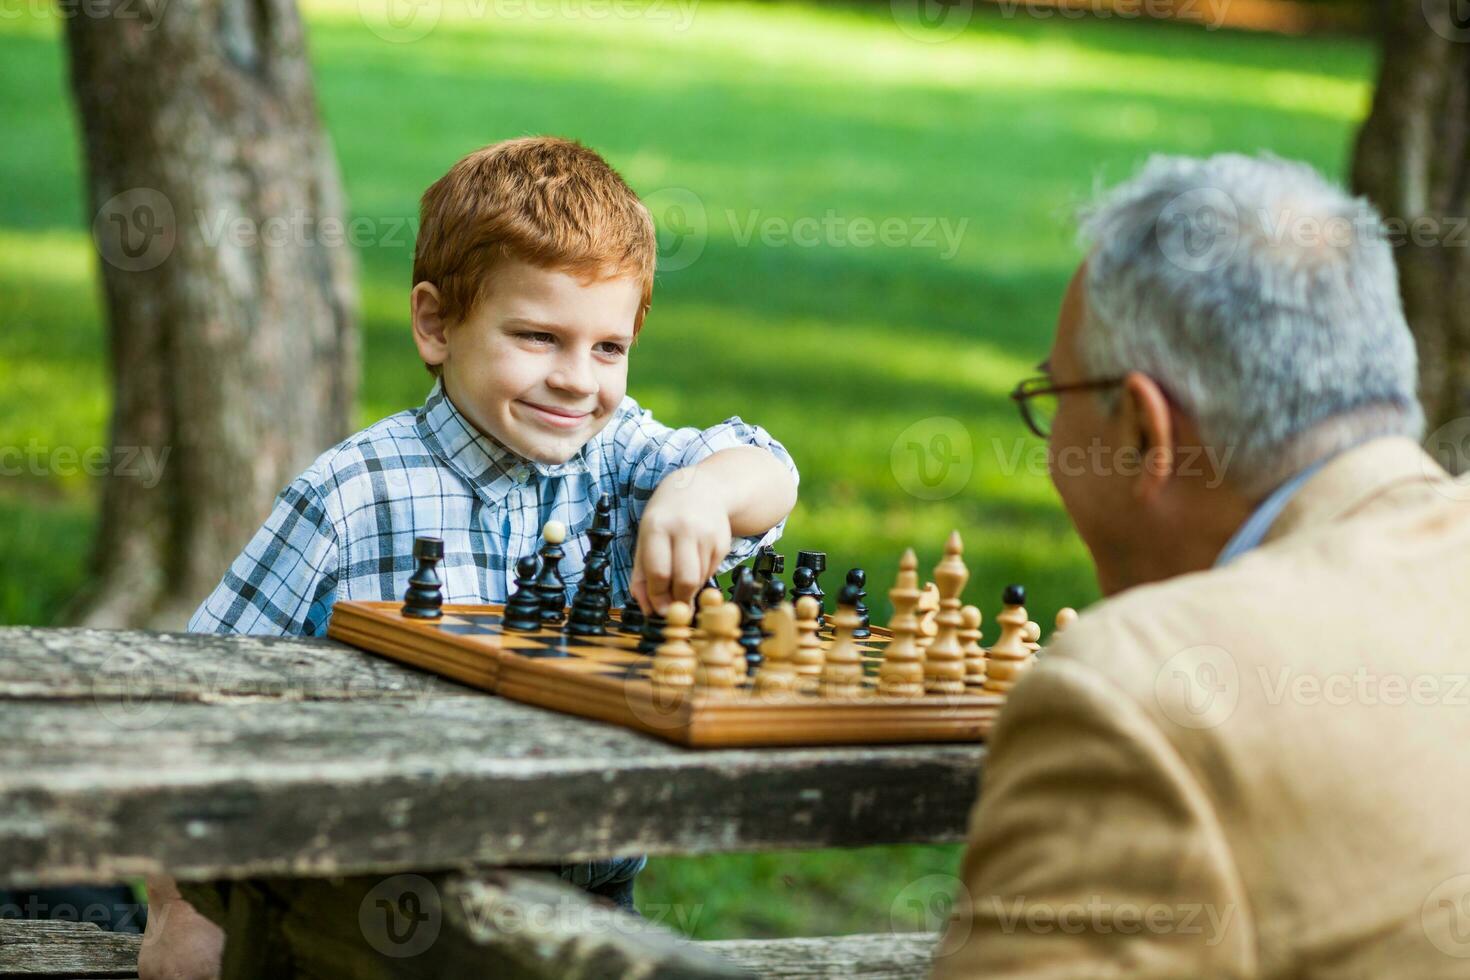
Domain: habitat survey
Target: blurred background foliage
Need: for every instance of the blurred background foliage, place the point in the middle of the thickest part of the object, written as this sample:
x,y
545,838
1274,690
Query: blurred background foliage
x,y
853,356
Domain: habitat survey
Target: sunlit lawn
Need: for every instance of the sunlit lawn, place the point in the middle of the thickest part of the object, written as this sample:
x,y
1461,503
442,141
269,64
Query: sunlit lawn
x,y
879,359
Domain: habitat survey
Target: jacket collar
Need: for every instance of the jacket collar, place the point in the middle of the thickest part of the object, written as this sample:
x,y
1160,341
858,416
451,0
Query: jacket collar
x,y
1354,479
487,465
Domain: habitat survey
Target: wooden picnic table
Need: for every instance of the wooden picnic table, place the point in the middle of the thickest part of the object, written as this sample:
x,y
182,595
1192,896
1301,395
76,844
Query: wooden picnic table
x,y
290,778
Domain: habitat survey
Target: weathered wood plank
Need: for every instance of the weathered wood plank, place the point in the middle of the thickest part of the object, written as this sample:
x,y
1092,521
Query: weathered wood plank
x,y
137,665
90,792
879,956
503,924
66,949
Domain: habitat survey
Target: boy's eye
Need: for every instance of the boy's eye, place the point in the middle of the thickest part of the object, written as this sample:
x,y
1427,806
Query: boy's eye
x,y
537,336
612,347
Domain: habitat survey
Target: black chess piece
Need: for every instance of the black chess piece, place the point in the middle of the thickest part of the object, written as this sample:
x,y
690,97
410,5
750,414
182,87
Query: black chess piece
x,y
858,579
523,608
817,562
803,584
425,596
737,575
653,634
773,594
768,563
752,619
601,532
549,584
1014,595
633,619
591,605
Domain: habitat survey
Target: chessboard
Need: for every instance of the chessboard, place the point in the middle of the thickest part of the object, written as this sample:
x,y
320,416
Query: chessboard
x,y
605,678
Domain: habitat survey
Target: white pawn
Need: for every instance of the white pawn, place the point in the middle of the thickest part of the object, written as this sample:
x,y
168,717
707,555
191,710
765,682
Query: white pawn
x,y
720,650
809,655
974,652
777,672
673,661
902,672
1009,657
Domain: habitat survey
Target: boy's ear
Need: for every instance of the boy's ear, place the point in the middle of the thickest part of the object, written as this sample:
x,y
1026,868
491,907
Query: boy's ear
x,y
428,324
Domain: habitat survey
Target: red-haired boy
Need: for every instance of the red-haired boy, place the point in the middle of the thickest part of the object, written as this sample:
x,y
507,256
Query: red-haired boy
x,y
533,271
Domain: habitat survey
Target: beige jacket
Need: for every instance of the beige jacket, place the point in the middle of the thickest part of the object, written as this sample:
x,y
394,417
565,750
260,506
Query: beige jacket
x,y
1261,770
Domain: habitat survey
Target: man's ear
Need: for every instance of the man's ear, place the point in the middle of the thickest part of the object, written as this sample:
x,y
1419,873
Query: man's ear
x,y
428,324
1146,412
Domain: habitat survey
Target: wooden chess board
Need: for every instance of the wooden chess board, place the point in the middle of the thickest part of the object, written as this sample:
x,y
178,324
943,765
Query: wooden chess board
x,y
605,678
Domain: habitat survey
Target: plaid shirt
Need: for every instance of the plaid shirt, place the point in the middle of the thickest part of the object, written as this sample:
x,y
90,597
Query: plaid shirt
x,y
344,529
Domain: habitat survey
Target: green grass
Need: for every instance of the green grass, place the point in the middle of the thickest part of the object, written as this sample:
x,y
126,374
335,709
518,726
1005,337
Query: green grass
x,y
848,354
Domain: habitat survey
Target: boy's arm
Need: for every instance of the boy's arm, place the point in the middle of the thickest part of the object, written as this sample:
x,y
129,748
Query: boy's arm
x,y
285,580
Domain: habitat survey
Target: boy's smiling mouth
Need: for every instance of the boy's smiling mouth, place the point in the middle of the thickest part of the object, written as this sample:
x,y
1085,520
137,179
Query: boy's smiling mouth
x,y
560,418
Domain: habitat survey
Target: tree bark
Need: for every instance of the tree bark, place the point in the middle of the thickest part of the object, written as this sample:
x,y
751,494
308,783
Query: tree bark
x,y
231,302
1412,160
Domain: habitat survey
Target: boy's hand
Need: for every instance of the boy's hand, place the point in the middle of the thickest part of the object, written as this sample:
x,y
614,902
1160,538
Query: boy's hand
x,y
684,535
694,514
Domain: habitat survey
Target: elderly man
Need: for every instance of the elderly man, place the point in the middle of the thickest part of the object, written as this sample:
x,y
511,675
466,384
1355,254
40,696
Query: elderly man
x,y
1247,761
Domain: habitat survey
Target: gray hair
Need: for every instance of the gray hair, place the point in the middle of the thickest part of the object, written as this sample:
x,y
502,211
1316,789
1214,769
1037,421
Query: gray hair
x,y
1262,298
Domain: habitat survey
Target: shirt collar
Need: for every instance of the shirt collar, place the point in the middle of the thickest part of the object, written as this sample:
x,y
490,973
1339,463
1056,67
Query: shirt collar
x,y
490,467
1253,531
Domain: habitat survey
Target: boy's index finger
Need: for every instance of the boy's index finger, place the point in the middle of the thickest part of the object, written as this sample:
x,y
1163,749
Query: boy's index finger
x,y
655,554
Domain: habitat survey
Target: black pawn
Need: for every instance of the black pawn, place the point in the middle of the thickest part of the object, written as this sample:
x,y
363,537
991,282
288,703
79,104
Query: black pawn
x,y
773,594
523,608
425,596
752,620
804,584
633,619
653,634
1014,595
858,579
590,607
817,562
550,585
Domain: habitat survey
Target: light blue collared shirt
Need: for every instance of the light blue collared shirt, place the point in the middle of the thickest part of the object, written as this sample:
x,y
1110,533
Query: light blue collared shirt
x,y
1253,531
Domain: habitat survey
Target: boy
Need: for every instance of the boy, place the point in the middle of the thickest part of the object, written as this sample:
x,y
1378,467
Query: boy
x,y
533,271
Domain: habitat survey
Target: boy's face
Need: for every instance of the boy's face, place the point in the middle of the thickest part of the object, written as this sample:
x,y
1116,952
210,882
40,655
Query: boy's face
x,y
541,363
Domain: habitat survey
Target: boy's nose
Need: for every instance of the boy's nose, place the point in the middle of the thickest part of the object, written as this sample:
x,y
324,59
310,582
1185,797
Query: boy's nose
x,y
575,376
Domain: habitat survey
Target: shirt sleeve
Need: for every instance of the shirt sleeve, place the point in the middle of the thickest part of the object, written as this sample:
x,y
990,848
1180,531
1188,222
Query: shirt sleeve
x,y
285,580
649,451
1094,850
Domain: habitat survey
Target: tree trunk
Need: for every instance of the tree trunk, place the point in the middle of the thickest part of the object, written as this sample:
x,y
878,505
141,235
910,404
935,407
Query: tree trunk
x,y
218,218
1413,162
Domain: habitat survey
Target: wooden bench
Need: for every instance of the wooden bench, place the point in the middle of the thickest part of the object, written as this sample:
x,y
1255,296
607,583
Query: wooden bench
x,y
81,950
262,770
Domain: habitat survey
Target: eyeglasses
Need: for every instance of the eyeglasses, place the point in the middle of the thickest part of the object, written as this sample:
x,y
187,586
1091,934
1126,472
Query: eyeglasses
x,y
1037,399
